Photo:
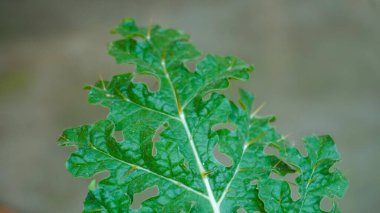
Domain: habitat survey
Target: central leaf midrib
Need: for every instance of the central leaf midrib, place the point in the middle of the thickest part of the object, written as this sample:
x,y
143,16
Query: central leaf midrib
x,y
182,116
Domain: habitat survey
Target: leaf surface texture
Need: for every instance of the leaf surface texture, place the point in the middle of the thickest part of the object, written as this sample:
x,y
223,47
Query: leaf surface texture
x,y
169,136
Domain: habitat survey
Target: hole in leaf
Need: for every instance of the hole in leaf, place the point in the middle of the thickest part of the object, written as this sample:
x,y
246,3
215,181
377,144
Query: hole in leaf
x,y
151,81
241,210
206,97
118,135
101,175
222,158
191,65
274,175
270,150
140,197
300,146
302,150
254,182
228,126
326,204
156,137
291,179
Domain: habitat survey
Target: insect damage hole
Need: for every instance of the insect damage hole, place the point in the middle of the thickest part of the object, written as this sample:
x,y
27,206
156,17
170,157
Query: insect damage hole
x,y
270,150
254,182
150,81
96,179
101,176
290,178
326,204
228,126
140,197
206,97
191,65
156,137
222,158
241,210
119,136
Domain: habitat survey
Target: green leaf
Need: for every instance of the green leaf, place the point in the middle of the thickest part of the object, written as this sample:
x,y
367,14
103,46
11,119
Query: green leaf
x,y
315,181
169,135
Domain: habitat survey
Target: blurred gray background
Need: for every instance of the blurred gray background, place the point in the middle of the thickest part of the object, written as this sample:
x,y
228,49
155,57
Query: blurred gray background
x,y
317,68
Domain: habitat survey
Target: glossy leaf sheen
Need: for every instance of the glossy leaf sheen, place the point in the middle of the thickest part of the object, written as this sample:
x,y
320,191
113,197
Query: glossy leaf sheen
x,y
182,114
